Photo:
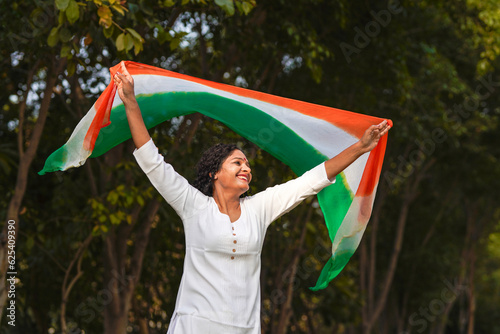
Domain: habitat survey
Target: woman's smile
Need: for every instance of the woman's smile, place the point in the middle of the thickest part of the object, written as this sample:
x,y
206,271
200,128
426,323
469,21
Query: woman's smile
x,y
243,177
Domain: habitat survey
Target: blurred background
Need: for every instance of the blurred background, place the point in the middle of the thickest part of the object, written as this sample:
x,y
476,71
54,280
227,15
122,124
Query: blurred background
x,y
97,250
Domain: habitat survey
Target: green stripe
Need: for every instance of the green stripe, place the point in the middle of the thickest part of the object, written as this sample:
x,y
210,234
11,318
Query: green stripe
x,y
250,122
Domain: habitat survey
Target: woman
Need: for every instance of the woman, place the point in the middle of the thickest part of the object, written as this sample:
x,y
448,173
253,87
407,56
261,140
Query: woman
x,y
220,287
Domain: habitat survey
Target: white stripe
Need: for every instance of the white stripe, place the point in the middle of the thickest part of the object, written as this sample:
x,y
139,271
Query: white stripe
x,y
76,155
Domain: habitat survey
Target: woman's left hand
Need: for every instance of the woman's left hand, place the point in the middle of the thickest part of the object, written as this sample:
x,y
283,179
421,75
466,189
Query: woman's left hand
x,y
373,134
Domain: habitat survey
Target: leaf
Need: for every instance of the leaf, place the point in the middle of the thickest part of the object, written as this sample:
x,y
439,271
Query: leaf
x,y
65,35
120,42
124,42
135,34
88,39
247,7
73,12
174,43
112,197
105,16
184,2
53,37
137,47
119,8
62,4
129,42
30,242
108,32
226,5
93,203
65,51
168,3
61,18
104,12
71,68
95,230
140,200
163,37
133,8
129,200
114,219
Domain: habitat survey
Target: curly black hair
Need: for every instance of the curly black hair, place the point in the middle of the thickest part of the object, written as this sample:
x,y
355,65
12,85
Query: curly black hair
x,y
210,163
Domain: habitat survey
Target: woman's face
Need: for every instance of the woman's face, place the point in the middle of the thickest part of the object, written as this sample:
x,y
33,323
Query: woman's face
x,y
235,173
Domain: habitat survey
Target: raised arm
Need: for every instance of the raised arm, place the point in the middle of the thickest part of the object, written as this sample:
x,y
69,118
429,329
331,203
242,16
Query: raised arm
x,y
125,87
367,143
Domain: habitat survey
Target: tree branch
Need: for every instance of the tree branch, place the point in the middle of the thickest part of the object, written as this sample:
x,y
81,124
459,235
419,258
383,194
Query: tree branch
x,y
409,196
142,239
22,109
66,288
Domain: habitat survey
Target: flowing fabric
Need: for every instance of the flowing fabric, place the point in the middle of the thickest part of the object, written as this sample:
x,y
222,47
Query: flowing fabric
x,y
300,134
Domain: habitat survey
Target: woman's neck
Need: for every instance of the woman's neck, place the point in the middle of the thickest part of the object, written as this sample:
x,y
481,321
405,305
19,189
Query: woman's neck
x,y
228,204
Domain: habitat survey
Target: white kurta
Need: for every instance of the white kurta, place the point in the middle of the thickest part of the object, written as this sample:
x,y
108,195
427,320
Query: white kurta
x,y
220,287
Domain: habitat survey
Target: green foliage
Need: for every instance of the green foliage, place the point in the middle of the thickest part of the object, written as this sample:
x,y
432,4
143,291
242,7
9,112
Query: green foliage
x,y
120,22
433,69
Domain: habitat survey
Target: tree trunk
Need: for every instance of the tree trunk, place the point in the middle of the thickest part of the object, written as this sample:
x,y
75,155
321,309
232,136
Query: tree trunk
x,y
25,159
116,322
120,282
141,316
286,309
471,293
410,193
398,241
402,321
467,272
474,223
67,287
368,262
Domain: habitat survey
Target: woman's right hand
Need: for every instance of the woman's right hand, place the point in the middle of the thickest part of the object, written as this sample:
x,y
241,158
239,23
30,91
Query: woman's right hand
x,y
124,85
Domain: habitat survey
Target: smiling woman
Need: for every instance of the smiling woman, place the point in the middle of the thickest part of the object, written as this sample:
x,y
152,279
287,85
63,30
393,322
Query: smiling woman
x,y
220,286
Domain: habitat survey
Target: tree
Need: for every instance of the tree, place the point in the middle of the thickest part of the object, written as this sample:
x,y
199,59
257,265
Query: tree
x,y
431,67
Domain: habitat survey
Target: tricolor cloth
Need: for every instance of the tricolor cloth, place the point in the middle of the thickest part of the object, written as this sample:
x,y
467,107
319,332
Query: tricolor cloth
x,y
300,134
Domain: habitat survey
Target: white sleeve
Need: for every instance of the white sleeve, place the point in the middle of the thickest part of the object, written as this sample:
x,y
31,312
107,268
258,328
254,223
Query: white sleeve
x,y
274,202
184,198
